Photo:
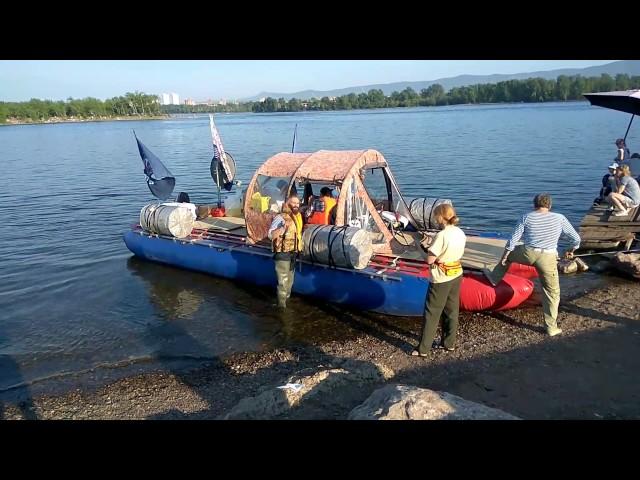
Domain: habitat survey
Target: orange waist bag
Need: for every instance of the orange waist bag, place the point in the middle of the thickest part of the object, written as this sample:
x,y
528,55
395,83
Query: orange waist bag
x,y
450,269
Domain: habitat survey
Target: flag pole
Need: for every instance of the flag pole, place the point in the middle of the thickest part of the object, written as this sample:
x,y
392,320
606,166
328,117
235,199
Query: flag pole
x,y
628,127
218,184
293,145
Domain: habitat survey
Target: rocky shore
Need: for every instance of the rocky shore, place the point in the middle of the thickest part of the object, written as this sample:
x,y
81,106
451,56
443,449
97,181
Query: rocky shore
x,y
503,361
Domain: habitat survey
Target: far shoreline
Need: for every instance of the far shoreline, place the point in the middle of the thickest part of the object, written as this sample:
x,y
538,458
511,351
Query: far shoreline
x,y
178,115
81,120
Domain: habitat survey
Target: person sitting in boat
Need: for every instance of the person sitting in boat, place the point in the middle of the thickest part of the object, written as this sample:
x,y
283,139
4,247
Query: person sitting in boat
x,y
443,298
324,208
627,196
307,194
183,201
306,209
285,234
609,184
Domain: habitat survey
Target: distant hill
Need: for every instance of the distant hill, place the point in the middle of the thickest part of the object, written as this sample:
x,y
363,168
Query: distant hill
x,y
630,67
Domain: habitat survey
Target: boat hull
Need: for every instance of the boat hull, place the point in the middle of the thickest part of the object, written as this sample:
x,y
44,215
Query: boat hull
x,y
388,292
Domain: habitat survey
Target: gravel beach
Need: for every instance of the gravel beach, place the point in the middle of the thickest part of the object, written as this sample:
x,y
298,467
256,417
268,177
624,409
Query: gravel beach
x,y
502,360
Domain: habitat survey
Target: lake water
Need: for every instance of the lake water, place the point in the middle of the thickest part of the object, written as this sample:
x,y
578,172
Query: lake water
x,y
72,298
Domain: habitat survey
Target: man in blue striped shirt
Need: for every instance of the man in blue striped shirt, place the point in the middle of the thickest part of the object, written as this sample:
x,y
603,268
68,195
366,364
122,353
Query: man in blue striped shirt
x,y
541,230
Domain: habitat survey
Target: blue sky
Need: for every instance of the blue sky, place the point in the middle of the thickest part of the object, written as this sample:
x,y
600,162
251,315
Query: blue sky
x,y
232,79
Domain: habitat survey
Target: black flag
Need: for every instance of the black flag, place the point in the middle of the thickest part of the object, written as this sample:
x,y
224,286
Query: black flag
x,y
160,180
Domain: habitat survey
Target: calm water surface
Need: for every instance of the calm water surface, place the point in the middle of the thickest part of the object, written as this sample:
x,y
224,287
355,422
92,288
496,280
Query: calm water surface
x,y
72,297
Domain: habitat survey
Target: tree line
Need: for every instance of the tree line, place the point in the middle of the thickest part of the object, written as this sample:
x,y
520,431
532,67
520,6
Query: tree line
x,y
35,110
228,108
564,88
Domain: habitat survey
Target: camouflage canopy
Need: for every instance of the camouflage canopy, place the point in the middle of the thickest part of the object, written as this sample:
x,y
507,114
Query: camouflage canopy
x,y
341,168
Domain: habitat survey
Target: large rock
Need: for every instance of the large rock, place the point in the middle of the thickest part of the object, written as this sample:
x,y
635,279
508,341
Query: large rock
x,y
628,263
404,402
272,401
572,266
567,266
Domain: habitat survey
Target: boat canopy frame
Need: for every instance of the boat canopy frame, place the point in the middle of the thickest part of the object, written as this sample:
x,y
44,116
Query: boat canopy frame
x,y
344,169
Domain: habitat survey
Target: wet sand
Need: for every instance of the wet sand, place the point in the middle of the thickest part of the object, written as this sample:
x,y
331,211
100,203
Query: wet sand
x,y
503,360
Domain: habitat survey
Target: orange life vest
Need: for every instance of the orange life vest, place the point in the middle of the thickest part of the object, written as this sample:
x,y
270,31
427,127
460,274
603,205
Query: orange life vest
x,y
323,217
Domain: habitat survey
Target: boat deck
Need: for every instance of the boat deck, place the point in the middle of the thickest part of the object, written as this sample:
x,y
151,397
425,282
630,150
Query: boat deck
x,y
480,252
232,225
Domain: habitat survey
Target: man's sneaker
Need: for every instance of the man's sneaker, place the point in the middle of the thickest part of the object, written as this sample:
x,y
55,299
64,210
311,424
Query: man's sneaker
x,y
621,213
554,331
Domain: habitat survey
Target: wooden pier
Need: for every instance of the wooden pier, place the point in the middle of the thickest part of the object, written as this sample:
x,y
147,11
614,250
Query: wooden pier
x,y
601,230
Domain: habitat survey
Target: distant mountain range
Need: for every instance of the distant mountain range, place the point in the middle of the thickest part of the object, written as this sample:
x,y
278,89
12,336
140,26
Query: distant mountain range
x,y
630,67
